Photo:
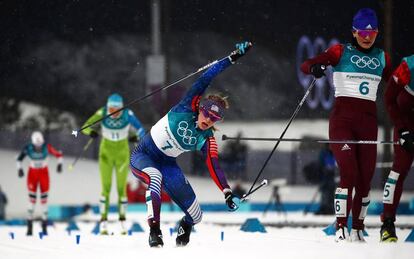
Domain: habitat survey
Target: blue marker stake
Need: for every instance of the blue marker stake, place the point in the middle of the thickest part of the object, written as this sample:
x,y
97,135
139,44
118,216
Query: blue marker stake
x,y
129,232
171,232
11,235
41,235
222,235
77,239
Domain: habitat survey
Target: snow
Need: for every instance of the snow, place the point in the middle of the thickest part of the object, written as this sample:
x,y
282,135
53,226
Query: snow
x,y
205,241
83,185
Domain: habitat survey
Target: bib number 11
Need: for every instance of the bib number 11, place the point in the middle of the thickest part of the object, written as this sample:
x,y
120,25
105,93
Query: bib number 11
x,y
363,88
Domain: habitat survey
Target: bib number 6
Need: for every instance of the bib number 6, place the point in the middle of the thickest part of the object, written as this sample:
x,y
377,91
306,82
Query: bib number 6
x,y
363,88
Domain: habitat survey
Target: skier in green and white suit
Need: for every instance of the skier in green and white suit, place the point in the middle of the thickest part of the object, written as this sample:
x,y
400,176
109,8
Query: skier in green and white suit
x,y
114,153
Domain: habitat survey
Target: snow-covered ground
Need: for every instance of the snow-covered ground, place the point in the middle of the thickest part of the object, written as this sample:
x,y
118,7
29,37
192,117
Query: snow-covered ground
x,y
83,185
206,241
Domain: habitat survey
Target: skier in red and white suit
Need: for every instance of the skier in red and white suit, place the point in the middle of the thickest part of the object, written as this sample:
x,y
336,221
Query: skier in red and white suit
x,y
38,175
399,100
358,68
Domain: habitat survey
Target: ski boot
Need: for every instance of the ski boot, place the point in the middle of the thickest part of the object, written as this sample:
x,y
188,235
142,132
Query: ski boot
x,y
341,234
44,227
387,232
357,236
155,237
183,233
103,227
122,225
29,228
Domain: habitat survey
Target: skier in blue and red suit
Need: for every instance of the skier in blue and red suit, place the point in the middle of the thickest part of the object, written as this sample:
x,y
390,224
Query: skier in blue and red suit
x,y
358,68
188,126
399,100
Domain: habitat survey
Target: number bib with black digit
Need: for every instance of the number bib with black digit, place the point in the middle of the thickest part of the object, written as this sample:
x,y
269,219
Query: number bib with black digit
x,y
389,188
358,74
176,133
116,129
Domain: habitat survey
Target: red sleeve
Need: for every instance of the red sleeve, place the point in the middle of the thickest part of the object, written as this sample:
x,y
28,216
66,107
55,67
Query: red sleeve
x,y
329,57
402,75
210,152
396,83
386,73
53,151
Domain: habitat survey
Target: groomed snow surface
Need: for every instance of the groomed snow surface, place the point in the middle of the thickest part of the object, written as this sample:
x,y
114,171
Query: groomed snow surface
x,y
206,242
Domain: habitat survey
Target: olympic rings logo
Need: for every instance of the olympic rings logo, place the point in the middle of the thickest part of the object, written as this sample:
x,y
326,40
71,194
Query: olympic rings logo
x,y
186,134
323,93
365,61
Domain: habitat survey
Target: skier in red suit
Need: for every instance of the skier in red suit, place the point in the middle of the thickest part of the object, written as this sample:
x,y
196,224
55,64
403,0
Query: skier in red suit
x,y
38,175
358,68
399,100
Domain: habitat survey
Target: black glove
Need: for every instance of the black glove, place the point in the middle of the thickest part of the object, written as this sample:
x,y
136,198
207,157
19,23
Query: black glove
x,y
93,134
406,140
241,49
20,173
133,139
59,168
318,70
231,201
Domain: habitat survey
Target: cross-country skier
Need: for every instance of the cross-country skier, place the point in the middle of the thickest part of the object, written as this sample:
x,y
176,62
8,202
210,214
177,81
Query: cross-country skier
x,y
358,68
38,175
399,100
188,126
114,152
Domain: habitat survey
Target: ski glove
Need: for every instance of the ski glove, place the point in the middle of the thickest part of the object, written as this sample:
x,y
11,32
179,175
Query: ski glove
x,y
318,70
406,140
59,168
93,134
20,173
231,201
133,139
241,49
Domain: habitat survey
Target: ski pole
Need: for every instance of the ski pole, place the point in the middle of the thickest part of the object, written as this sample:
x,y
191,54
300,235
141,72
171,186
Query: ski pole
x,y
81,154
328,141
76,132
283,133
244,198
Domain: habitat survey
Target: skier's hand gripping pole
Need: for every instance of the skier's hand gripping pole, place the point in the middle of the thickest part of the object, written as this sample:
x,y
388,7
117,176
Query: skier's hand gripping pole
x,y
241,49
312,84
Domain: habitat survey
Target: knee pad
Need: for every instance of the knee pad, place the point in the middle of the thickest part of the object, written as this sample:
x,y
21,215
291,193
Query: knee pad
x,y
364,207
341,198
389,188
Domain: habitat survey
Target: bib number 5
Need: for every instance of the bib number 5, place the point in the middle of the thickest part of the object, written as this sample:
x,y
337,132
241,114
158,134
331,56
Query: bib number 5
x,y
363,88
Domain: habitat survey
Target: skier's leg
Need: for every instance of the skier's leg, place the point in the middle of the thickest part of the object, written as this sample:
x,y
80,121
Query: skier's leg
x,y
122,169
32,182
105,168
393,190
181,192
148,171
44,191
345,155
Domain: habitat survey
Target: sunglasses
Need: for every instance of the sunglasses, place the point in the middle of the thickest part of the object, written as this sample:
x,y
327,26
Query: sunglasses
x,y
213,117
365,33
